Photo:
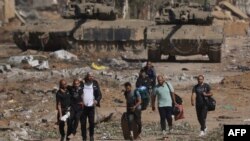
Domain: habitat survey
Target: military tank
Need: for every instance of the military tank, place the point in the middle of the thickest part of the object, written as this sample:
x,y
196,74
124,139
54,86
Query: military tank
x,y
89,24
183,28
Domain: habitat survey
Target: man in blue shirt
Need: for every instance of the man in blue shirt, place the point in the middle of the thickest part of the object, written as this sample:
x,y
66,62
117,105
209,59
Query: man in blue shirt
x,y
133,102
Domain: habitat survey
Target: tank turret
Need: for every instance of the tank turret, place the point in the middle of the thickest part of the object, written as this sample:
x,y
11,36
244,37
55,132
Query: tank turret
x,y
184,13
90,9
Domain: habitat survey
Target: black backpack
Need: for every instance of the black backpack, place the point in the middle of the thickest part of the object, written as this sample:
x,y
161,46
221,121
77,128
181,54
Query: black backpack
x,y
211,103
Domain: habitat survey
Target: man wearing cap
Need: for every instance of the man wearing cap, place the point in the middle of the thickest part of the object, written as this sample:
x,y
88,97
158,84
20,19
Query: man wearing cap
x,y
91,97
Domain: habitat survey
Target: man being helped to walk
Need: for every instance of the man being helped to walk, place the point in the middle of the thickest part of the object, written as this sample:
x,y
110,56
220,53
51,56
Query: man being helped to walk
x,y
133,101
164,93
76,93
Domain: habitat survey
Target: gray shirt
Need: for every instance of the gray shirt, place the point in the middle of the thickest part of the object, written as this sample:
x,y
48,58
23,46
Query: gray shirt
x,y
131,98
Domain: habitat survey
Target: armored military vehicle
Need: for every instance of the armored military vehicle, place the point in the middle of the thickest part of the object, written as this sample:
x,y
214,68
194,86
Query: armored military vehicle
x,y
183,28
90,24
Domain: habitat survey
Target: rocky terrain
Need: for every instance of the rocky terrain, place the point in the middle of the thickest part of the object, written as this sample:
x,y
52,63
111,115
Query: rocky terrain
x,y
27,92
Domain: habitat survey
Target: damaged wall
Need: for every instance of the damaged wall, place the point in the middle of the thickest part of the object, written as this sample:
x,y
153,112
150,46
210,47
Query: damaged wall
x,y
244,6
7,10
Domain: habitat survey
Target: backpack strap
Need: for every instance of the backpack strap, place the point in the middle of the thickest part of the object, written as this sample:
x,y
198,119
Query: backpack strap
x,y
169,88
170,92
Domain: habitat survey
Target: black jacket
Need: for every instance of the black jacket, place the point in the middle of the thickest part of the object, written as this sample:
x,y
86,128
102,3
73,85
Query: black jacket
x,y
97,92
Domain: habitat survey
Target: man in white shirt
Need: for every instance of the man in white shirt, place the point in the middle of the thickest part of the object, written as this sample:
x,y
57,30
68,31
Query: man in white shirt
x,y
91,98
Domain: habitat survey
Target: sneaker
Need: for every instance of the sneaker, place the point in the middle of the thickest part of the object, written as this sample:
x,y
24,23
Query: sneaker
x,y
131,134
205,130
170,131
202,133
164,133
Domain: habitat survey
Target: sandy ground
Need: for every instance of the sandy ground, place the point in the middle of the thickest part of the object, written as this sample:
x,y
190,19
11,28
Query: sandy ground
x,y
30,106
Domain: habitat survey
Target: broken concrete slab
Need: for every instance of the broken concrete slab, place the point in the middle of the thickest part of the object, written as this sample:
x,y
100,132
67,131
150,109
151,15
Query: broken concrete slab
x,y
221,15
236,11
15,60
5,68
244,5
64,55
29,59
44,65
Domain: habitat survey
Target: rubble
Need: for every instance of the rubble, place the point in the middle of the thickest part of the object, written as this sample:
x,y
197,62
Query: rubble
x,y
244,6
15,60
29,59
44,65
236,11
243,68
5,68
64,55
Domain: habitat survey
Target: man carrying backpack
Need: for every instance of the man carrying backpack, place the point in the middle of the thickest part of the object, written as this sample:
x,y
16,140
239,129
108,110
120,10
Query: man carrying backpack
x,y
199,94
143,86
133,101
163,91
150,72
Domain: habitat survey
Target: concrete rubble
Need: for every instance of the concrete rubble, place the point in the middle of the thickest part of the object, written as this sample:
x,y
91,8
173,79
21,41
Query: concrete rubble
x,y
244,6
64,55
236,11
5,68
30,60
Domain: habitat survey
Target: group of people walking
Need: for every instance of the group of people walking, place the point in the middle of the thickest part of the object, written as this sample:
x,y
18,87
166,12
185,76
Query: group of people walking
x,y
80,101
81,98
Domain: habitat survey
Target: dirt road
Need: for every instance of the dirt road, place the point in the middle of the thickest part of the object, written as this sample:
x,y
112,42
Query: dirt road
x,y
27,106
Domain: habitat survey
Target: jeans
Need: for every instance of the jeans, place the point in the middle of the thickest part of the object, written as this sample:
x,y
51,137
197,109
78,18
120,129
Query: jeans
x,y
137,116
88,112
165,113
201,111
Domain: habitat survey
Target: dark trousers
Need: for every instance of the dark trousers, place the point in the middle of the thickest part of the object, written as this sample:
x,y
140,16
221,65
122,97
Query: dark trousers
x,y
88,112
137,117
165,113
75,116
201,111
62,124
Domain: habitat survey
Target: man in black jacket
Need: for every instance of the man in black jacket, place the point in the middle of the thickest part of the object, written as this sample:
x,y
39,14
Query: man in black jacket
x,y
91,98
76,92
